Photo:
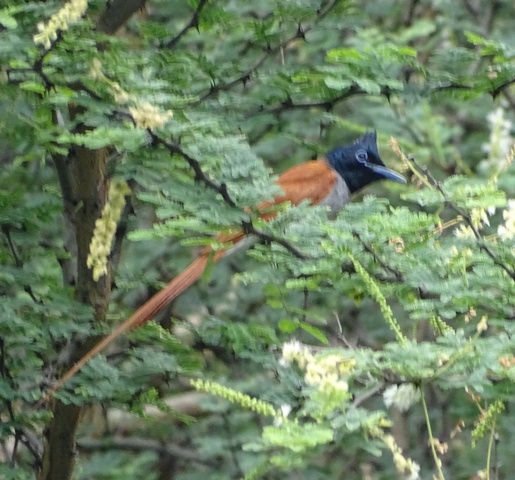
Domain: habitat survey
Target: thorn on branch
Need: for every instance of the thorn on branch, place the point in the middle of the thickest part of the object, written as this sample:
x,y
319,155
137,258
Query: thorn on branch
x,y
300,32
388,94
328,106
154,139
193,23
287,103
247,227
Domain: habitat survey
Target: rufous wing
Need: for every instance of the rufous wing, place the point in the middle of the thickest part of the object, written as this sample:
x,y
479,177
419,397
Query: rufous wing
x,y
313,181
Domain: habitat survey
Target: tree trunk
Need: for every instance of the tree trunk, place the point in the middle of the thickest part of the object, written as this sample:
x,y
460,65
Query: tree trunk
x,y
86,170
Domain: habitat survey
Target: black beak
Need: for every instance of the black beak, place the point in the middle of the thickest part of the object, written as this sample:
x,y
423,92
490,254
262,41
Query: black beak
x,y
386,173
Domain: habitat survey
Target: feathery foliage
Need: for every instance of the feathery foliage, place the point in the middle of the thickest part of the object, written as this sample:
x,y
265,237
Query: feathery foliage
x,y
379,344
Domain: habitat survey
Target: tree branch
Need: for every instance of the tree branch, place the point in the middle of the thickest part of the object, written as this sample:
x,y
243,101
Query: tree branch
x,y
249,228
449,86
327,105
116,13
200,176
500,88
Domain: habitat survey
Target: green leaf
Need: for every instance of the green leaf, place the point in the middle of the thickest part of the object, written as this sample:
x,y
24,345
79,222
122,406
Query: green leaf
x,y
297,437
288,326
316,332
343,54
368,86
337,83
35,87
7,20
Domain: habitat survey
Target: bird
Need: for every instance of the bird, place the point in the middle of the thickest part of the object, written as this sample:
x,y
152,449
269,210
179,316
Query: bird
x,y
330,180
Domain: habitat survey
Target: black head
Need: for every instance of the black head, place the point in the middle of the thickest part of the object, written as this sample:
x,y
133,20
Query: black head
x,y
359,164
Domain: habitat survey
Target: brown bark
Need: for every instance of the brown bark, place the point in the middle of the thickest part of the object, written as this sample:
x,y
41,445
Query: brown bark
x,y
86,171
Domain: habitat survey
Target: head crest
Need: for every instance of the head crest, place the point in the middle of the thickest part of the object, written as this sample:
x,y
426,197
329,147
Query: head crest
x,y
360,164
368,141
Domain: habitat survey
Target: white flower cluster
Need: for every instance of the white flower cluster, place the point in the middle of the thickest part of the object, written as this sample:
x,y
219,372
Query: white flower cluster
x,y
479,217
325,372
506,231
66,16
463,231
500,141
401,396
146,115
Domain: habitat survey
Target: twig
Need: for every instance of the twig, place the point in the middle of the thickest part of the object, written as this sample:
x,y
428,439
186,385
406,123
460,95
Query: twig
x,y
488,19
368,394
410,13
269,51
18,262
500,88
495,91
327,105
496,452
200,176
37,66
472,9
193,23
249,228
20,435
78,86
431,439
468,219
398,275
341,336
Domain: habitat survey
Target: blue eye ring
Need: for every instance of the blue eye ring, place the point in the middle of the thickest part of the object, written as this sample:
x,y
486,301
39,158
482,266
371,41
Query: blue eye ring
x,y
361,156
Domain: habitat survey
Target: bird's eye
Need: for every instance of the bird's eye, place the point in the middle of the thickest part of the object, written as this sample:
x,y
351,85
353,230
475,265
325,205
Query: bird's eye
x,y
361,156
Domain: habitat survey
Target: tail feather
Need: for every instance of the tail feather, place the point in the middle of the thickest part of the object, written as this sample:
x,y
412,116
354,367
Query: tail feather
x,y
144,314
177,286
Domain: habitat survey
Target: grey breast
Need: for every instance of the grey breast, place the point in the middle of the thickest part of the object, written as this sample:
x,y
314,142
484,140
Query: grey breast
x,y
339,196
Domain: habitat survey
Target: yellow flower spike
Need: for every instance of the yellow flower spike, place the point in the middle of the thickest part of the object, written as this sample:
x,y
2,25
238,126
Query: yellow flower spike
x,y
233,396
69,14
105,229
